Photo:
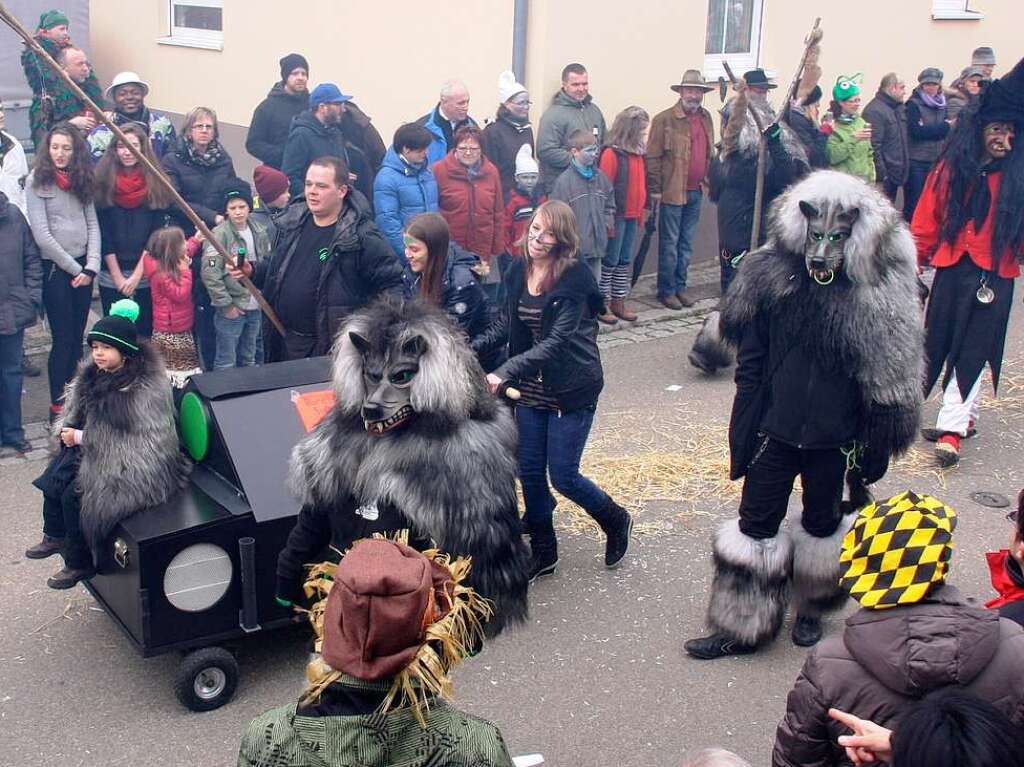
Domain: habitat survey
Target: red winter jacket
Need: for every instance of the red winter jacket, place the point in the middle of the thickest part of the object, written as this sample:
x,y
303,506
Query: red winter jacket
x,y
474,209
518,213
172,301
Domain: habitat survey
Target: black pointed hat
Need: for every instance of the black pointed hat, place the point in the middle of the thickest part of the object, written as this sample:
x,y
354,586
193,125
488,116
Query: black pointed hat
x,y
1003,100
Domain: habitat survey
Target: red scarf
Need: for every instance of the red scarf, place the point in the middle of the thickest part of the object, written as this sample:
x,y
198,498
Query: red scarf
x,y
1002,580
130,189
62,179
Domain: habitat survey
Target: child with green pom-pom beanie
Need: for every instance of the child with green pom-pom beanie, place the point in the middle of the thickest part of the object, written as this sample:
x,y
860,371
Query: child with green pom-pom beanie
x,y
118,448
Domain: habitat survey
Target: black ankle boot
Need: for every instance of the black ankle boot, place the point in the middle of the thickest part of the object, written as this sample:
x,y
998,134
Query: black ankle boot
x,y
617,524
543,550
807,630
717,646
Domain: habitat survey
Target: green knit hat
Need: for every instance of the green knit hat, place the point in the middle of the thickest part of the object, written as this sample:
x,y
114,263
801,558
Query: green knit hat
x,y
117,329
846,87
51,19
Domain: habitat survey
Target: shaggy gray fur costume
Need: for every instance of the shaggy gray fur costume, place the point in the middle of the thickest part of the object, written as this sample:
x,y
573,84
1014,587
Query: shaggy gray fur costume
x,y
450,470
130,455
867,325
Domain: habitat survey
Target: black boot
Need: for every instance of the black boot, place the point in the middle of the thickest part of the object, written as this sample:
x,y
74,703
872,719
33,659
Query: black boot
x,y
543,550
807,630
45,548
617,524
717,646
69,576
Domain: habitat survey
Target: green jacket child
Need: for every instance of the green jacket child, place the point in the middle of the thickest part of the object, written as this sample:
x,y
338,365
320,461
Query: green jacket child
x,y
243,238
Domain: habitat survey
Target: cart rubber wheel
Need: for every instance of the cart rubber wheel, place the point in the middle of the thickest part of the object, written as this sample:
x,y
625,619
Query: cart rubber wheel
x,y
206,679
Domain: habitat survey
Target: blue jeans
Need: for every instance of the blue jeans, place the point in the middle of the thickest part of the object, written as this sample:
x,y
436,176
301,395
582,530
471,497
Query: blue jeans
x,y
11,348
552,444
676,224
236,339
615,272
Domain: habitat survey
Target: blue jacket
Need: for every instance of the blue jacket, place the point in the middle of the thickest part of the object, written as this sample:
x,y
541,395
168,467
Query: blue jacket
x,y
308,139
439,146
400,192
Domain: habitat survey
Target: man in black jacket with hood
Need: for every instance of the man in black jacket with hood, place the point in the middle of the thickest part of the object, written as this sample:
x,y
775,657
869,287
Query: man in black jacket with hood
x,y
329,259
888,117
273,117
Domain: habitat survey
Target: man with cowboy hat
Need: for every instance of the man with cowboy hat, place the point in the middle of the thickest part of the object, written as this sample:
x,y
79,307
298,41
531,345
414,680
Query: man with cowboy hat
x,y
127,93
678,159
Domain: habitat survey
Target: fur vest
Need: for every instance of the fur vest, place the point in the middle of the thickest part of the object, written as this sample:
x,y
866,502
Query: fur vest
x,y
866,326
130,456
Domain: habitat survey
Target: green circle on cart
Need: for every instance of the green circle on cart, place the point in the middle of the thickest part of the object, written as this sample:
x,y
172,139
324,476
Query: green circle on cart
x,y
195,426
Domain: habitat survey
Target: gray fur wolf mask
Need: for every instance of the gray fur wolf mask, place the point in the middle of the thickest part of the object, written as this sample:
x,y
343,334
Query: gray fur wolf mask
x,y
451,467
865,317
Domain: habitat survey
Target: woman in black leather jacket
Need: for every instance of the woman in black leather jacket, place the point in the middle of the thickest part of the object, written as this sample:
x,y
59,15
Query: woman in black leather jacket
x,y
442,273
550,321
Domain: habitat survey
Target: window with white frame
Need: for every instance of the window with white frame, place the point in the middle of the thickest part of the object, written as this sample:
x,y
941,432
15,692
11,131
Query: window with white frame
x,y
198,23
733,35
954,9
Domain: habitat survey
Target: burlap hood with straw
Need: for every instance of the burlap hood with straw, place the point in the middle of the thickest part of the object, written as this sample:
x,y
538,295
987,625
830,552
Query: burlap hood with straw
x,y
389,611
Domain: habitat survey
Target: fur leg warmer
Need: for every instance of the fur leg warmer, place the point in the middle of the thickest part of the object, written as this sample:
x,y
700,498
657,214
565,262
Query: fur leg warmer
x,y
751,586
710,351
816,588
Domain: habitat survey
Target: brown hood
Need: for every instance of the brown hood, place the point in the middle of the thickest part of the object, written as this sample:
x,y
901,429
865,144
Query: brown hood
x,y
918,648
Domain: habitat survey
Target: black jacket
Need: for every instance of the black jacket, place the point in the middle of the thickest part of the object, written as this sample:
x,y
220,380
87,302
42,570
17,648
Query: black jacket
x,y
125,232
888,118
789,386
21,271
360,268
201,186
464,301
268,130
359,130
309,139
811,137
733,183
926,128
566,359
502,140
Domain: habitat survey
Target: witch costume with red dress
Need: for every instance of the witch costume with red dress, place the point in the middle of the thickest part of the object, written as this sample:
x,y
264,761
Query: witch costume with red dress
x,y
969,226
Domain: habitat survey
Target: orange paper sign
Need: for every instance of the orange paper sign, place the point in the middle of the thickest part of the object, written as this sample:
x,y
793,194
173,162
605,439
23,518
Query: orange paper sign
x,y
313,406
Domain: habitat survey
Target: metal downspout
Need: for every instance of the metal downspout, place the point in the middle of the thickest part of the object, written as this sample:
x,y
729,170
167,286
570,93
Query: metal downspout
x,y
520,17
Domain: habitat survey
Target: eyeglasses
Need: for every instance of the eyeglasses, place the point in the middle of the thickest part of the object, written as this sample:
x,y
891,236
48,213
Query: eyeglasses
x,y
467,149
202,127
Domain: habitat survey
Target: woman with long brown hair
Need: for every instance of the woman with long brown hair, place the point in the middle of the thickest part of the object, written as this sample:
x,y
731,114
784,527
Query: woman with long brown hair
x,y
59,197
441,273
130,204
550,320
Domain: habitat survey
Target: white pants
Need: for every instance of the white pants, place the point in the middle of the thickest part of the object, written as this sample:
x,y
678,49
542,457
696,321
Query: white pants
x,y
957,412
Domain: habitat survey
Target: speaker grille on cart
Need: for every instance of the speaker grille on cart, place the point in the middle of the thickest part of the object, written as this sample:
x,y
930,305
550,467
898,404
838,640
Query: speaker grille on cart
x,y
198,577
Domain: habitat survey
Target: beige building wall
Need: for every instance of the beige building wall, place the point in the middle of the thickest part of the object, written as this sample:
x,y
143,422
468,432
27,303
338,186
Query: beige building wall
x,y
392,56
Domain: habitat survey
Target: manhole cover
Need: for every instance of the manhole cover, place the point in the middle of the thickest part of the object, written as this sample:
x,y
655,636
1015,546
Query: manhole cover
x,y
992,500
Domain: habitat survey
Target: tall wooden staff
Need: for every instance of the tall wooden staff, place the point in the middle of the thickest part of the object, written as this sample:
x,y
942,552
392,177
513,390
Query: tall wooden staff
x,y
9,19
812,39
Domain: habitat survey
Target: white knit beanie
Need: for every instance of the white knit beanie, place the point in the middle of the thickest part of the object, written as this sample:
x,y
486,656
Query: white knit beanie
x,y
525,162
508,87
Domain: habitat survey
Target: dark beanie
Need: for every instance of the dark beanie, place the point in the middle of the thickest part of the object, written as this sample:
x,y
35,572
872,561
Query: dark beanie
x,y
117,329
291,62
813,97
236,189
270,183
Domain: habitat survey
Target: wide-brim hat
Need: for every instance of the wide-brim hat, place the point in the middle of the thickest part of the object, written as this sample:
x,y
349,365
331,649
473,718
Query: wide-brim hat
x,y
756,78
126,78
692,78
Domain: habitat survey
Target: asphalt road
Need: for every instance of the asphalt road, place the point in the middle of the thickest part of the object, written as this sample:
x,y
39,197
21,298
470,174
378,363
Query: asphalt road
x,y
597,677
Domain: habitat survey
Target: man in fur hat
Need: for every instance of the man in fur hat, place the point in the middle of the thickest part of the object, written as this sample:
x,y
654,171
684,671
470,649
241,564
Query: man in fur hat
x,y
969,225
827,322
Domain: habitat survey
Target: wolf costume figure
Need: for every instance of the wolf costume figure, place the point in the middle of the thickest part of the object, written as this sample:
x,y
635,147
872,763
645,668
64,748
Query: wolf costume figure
x,y
414,442
826,321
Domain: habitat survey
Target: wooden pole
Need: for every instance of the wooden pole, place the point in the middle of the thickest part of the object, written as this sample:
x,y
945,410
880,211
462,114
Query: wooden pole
x,y
10,20
762,160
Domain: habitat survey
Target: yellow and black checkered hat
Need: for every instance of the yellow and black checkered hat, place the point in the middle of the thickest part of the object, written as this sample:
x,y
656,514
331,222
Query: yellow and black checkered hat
x,y
897,550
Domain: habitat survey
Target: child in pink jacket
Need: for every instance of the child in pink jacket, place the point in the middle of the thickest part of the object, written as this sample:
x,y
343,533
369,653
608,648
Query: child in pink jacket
x,y
167,266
